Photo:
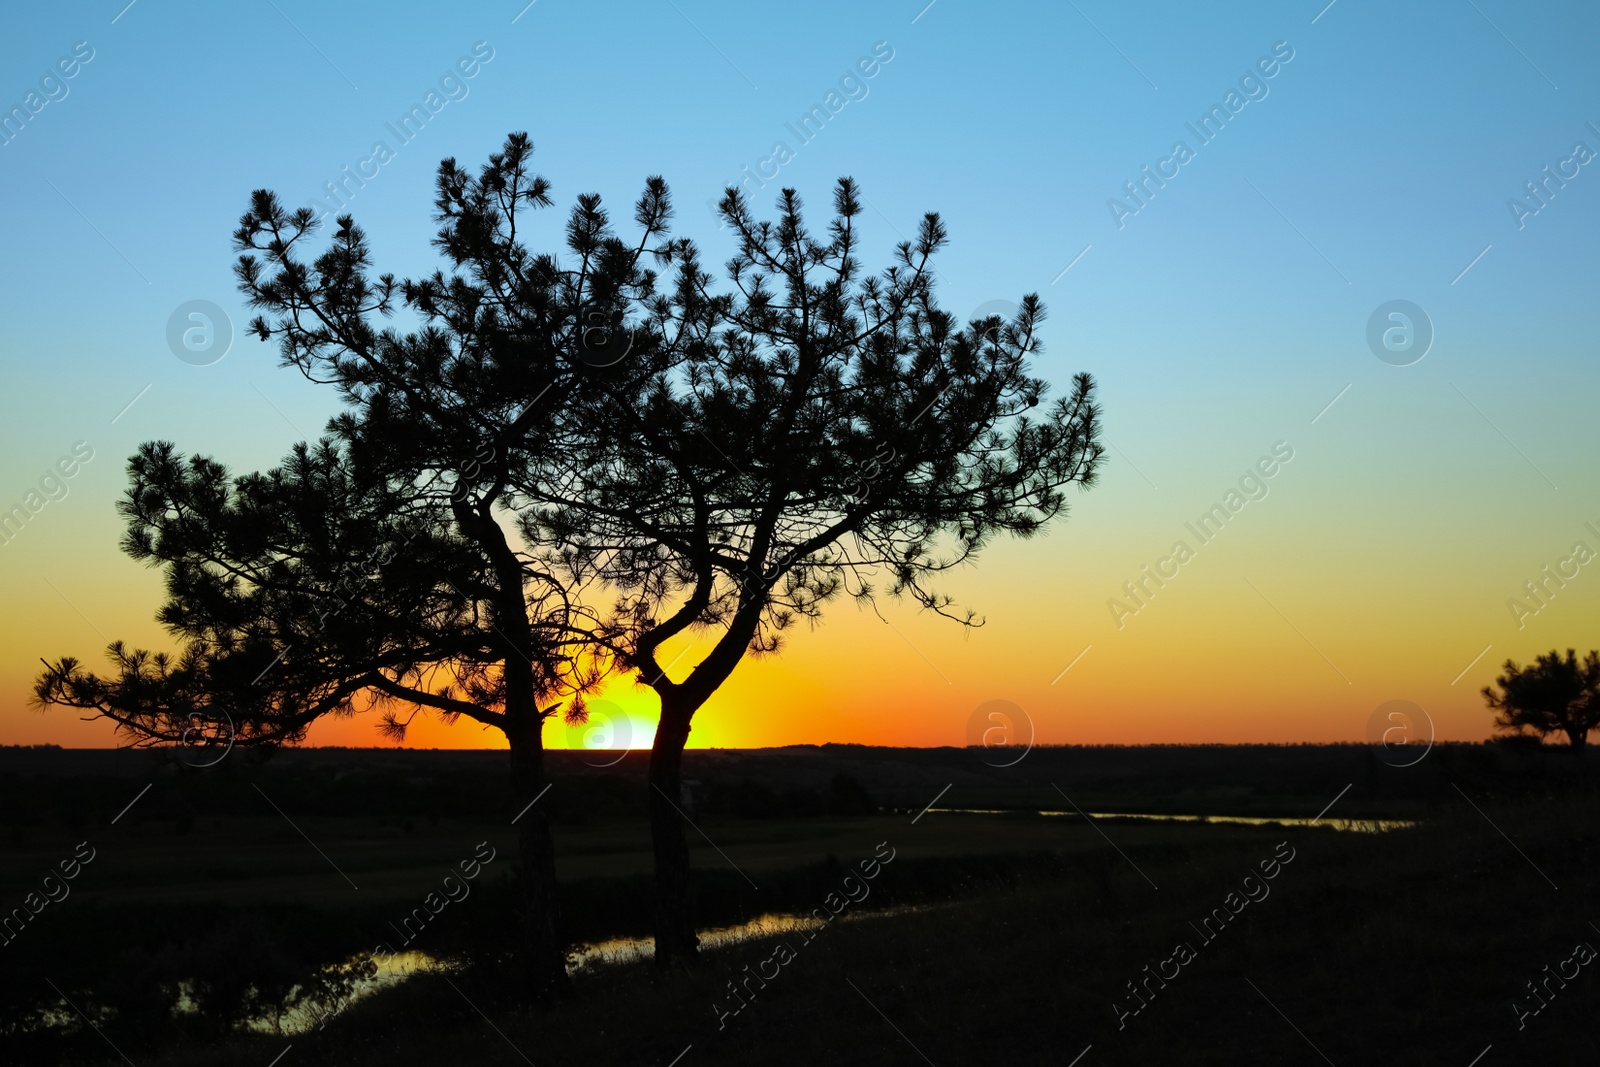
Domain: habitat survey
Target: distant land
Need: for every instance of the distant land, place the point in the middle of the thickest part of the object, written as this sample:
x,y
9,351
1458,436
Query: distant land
x,y
1258,780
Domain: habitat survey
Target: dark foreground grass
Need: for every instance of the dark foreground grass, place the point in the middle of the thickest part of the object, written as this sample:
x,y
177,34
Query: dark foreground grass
x,y
1404,948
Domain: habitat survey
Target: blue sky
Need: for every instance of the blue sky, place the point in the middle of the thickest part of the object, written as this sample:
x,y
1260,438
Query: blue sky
x,y
1220,318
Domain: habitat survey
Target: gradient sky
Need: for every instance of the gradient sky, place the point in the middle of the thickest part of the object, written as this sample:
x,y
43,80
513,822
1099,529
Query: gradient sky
x,y
1220,319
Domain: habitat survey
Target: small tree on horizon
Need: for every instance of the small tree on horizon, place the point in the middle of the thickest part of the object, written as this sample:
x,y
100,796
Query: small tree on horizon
x,y
1552,695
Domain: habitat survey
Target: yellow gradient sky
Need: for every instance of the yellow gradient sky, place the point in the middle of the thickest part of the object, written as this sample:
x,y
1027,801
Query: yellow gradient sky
x,y
1228,313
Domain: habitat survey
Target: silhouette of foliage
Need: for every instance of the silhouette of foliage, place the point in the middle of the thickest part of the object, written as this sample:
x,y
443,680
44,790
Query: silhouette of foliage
x,y
1552,695
809,432
372,569
571,461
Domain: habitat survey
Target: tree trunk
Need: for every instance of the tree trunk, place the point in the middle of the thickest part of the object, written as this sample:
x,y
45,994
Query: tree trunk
x,y
676,941
1577,738
543,952
674,923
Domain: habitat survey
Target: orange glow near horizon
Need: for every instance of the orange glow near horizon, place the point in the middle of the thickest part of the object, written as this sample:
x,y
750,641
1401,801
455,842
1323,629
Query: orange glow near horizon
x,y
1279,630
1385,495
1208,660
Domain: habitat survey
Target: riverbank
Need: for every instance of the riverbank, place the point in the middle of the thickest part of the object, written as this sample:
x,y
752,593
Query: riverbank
x,y
1404,947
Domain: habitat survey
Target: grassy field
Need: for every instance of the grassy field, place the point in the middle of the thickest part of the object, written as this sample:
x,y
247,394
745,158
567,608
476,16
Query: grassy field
x,y
987,939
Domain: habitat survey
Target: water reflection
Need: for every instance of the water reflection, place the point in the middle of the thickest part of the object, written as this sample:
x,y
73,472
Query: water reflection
x,y
1360,826
632,949
390,970
304,1013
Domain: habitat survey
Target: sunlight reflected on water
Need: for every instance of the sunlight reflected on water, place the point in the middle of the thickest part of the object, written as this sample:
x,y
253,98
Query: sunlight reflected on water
x,y
390,970
1360,826
395,968
631,949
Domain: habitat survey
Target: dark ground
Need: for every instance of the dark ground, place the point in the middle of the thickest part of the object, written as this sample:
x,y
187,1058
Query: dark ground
x,y
1014,941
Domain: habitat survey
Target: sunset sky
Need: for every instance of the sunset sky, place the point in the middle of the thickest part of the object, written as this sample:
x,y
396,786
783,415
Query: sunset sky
x,y
1225,314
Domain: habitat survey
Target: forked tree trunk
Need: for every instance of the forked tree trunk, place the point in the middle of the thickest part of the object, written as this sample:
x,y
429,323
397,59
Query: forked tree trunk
x,y
676,941
542,949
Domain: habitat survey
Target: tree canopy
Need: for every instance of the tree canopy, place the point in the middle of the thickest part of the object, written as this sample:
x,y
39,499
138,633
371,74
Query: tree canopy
x,y
805,432
568,460
1552,695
